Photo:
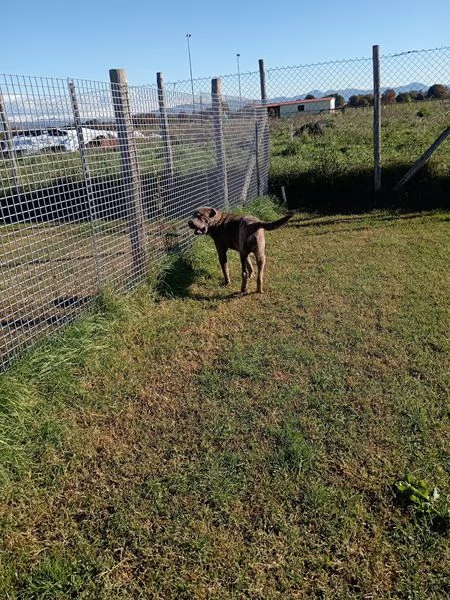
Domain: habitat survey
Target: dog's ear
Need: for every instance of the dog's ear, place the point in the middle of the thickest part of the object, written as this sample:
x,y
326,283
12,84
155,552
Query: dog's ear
x,y
212,213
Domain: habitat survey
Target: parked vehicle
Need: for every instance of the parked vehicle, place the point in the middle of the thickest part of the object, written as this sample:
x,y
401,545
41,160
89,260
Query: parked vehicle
x,y
56,140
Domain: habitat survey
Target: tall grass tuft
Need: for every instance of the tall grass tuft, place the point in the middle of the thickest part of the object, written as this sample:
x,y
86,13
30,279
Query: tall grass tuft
x,y
16,401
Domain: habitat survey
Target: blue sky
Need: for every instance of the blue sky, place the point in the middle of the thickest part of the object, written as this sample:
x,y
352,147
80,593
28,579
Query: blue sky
x,y
84,39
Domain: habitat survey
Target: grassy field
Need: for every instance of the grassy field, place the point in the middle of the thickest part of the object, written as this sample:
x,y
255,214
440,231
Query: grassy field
x,y
190,442
334,171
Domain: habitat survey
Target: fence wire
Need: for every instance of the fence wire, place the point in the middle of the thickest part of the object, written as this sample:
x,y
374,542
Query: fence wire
x,y
416,100
414,95
98,181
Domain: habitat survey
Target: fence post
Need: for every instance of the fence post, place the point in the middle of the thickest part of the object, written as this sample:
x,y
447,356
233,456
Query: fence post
x,y
258,176
376,117
262,80
265,133
167,148
423,159
88,181
221,164
8,138
253,162
129,169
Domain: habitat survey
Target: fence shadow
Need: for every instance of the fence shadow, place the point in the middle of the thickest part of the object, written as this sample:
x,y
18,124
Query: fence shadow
x,y
176,279
67,200
349,193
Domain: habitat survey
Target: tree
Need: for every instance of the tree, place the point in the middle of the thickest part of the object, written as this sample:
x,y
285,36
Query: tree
x,y
417,95
310,97
361,100
388,97
404,98
438,91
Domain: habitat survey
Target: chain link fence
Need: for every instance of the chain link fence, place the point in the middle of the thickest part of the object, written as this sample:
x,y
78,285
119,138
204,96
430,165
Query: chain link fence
x,y
415,109
98,181
414,96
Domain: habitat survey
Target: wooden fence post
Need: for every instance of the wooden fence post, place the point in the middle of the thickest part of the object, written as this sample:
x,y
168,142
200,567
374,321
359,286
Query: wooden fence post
x,y
221,163
262,80
376,117
131,179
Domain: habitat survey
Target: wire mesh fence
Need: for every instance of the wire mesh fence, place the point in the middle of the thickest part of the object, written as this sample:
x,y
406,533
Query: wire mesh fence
x,y
98,180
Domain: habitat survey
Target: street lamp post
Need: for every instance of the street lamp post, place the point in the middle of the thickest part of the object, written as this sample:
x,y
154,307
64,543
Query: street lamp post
x,y
188,37
239,76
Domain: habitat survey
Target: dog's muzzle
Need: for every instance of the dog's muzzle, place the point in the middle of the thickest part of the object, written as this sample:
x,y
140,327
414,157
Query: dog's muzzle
x,y
198,230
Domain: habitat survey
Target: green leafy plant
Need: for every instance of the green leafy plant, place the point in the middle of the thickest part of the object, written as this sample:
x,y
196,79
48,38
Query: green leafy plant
x,y
417,493
425,499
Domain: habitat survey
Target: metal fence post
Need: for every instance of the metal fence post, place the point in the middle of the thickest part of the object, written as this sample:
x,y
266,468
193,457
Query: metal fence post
x,y
221,164
264,127
129,169
376,117
167,148
253,162
258,175
88,182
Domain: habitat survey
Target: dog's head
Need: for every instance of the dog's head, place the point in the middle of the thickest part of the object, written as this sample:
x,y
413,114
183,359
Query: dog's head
x,y
202,219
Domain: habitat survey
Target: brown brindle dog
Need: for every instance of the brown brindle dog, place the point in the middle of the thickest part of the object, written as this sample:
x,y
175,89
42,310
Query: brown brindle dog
x,y
243,234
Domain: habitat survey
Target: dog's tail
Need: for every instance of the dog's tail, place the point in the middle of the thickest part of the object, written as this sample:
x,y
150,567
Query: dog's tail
x,y
270,225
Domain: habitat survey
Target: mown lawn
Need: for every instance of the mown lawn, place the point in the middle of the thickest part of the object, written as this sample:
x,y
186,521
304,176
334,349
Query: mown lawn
x,y
206,444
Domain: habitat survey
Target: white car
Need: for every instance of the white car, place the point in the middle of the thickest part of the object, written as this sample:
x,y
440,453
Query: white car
x,y
55,139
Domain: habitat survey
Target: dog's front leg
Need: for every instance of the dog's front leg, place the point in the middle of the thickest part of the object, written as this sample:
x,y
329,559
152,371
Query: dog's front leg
x,y
222,253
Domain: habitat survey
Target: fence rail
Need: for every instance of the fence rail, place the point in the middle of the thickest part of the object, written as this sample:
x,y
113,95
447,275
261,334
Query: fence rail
x,y
97,181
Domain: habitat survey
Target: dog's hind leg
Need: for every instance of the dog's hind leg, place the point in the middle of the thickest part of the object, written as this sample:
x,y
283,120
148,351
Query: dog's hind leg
x,y
245,275
261,262
250,270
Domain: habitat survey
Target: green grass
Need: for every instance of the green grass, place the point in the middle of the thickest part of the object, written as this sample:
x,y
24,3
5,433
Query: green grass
x,y
334,172
196,443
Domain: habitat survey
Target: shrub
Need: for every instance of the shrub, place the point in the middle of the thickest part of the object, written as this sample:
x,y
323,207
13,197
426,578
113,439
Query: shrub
x,y
292,149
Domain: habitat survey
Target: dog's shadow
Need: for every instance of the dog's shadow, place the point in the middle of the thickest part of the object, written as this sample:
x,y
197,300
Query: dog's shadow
x,y
176,281
216,297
